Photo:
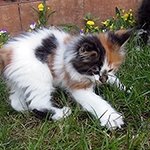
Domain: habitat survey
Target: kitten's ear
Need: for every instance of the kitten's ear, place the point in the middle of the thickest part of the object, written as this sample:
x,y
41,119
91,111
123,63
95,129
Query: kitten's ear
x,y
87,53
119,38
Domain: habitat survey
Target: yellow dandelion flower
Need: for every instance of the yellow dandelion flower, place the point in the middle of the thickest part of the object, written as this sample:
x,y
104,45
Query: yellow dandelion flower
x,y
132,22
103,23
106,23
130,10
122,10
131,16
96,28
111,26
48,8
40,7
90,23
125,17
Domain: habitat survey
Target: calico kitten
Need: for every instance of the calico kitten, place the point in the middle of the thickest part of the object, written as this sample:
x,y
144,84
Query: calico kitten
x,y
35,63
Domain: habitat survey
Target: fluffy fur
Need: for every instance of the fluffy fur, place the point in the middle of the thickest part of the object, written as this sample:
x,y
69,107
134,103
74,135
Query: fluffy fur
x,y
34,64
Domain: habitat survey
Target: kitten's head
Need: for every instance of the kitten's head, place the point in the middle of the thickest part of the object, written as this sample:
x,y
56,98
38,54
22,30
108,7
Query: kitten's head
x,y
100,54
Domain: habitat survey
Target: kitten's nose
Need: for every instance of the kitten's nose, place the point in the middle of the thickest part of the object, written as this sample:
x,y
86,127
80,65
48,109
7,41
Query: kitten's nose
x,y
103,78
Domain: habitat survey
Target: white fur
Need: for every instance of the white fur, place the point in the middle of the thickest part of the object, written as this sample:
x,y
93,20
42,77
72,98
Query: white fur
x,y
98,107
32,83
29,79
61,113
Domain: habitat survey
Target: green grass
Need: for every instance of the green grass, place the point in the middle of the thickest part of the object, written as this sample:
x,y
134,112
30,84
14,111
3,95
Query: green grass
x,y
81,130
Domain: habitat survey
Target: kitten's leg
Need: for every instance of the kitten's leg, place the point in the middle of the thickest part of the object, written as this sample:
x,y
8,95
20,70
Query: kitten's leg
x,y
42,106
17,99
39,105
34,89
113,80
53,113
98,107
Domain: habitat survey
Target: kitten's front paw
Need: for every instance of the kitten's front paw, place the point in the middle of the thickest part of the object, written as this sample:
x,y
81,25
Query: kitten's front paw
x,y
112,120
125,89
61,113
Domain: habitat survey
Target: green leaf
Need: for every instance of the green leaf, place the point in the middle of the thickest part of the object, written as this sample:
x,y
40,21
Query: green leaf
x,y
35,9
38,17
44,4
110,18
76,28
43,13
89,16
117,11
121,10
66,30
88,26
50,14
95,19
85,19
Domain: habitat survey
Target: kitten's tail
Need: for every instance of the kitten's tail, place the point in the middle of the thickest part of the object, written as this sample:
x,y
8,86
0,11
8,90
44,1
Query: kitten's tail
x,y
144,20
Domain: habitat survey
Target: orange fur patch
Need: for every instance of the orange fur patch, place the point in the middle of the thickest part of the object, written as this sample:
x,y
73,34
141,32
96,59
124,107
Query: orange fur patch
x,y
113,55
68,39
5,57
50,63
74,85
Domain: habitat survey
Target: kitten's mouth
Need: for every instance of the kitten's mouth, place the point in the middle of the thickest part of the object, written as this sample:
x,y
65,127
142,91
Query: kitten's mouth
x,y
101,79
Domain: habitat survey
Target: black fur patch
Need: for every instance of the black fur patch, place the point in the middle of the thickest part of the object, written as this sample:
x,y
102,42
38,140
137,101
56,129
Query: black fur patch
x,y
90,55
46,114
119,39
47,47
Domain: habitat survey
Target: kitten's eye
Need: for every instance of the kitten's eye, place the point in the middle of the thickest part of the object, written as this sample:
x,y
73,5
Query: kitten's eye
x,y
95,70
110,70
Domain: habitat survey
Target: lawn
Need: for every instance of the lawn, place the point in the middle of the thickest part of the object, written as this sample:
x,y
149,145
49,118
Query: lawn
x,y
81,130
